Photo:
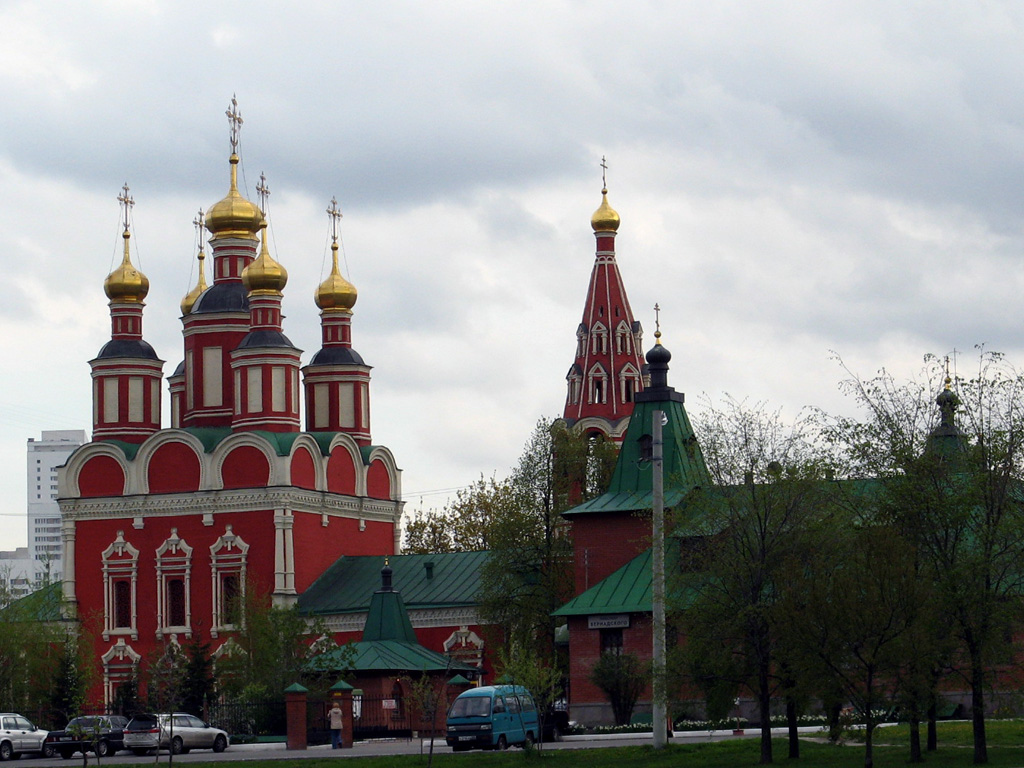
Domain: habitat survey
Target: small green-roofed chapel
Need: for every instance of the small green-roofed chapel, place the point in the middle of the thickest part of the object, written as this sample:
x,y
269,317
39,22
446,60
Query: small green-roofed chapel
x,y
389,646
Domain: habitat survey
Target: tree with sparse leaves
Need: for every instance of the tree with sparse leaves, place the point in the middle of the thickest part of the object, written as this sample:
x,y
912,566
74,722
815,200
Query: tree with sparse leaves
x,y
739,540
956,491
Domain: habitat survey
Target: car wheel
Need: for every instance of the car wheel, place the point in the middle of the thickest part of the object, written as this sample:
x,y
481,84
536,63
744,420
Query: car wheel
x,y
177,745
102,749
556,733
48,750
67,753
528,741
502,744
6,750
220,744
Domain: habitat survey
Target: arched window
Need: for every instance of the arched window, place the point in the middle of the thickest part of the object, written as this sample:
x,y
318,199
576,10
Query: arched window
x,y
599,339
598,378
120,588
173,586
122,604
229,557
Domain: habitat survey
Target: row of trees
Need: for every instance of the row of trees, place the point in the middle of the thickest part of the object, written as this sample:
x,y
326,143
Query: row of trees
x,y
873,561
47,669
518,518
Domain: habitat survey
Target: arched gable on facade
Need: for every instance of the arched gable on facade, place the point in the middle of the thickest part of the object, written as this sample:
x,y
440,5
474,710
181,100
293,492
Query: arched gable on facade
x,y
345,472
381,466
95,469
228,465
171,461
307,465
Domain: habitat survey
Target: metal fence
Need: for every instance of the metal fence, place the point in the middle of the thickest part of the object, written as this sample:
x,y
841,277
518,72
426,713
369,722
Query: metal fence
x,y
247,721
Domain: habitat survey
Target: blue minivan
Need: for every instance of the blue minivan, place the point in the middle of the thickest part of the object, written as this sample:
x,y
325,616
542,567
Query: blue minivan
x,y
492,717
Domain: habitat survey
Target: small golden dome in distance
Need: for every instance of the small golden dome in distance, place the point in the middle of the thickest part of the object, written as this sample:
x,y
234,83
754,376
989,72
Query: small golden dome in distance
x,y
264,275
234,216
192,296
605,218
126,284
336,293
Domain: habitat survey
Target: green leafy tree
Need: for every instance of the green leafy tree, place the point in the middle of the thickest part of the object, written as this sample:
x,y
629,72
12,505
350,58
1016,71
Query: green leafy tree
x,y
955,490
199,684
740,541
852,610
543,679
529,572
67,687
622,677
464,525
165,678
275,647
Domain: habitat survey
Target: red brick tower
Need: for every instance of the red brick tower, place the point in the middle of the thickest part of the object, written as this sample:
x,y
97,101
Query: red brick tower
x,y
608,370
337,381
126,373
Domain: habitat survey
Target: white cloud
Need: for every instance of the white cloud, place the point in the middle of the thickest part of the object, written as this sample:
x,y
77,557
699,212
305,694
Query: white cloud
x,y
792,179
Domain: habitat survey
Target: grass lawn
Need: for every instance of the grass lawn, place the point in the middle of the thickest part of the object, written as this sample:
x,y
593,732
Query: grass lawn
x,y
1006,750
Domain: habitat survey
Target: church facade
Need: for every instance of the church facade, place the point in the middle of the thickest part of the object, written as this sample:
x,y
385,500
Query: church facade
x,y
266,477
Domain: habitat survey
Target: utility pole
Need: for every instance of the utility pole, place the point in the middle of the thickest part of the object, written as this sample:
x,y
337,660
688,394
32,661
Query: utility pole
x,y
658,719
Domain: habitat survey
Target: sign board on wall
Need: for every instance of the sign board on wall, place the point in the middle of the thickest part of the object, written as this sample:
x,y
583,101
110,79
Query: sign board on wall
x,y
609,621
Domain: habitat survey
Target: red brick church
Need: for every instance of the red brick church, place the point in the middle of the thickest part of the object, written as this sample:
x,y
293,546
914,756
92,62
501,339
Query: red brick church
x,y
266,478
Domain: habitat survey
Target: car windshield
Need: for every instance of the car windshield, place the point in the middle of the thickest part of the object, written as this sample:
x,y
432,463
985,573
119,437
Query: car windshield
x,y
471,706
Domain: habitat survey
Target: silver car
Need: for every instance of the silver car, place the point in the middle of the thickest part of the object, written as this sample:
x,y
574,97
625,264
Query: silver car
x,y
178,733
18,735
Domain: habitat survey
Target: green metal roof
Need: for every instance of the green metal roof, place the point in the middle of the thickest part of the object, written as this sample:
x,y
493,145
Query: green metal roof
x,y
387,618
347,586
628,590
42,605
630,488
391,656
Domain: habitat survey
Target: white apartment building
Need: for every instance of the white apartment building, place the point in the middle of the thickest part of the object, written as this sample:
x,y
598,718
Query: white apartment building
x,y
44,538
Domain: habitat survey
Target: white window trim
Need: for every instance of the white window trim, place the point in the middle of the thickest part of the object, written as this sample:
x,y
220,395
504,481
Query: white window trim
x,y
120,560
120,663
229,554
173,560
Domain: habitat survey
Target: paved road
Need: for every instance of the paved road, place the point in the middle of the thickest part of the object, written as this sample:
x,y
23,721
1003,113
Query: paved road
x,y
361,749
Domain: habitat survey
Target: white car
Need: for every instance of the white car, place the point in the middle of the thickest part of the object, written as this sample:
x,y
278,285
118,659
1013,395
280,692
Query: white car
x,y
178,733
18,735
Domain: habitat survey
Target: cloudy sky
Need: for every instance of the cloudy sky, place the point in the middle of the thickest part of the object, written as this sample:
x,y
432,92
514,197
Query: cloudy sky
x,y
793,179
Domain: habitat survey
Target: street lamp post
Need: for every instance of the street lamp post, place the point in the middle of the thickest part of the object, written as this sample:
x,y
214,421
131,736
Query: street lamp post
x,y
658,707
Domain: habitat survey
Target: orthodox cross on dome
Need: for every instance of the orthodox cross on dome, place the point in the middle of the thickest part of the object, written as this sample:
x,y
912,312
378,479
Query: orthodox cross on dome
x,y
264,193
948,381
657,324
235,119
335,213
199,222
604,176
127,202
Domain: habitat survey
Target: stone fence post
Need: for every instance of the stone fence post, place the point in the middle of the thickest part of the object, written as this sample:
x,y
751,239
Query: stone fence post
x,y
295,714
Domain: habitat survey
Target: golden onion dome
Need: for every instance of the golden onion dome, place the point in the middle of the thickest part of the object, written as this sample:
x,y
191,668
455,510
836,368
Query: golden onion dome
x,y
336,293
605,218
234,216
264,275
192,296
126,284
